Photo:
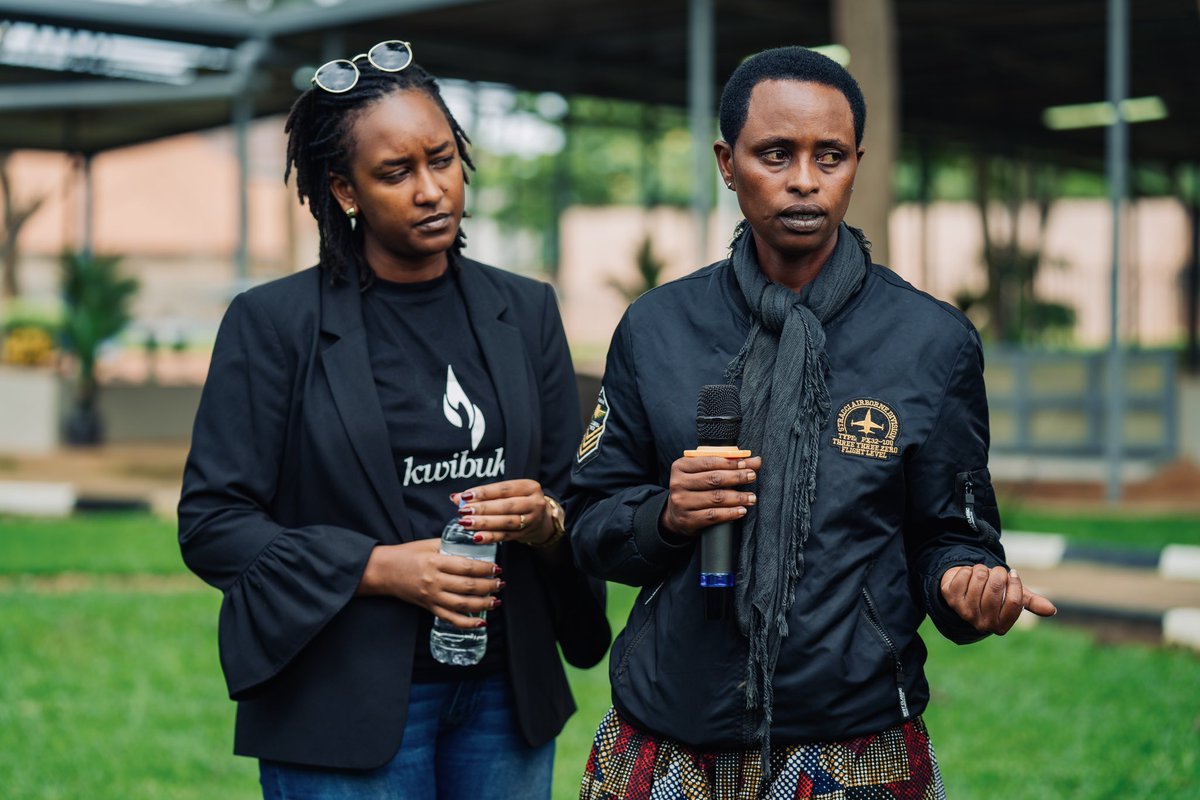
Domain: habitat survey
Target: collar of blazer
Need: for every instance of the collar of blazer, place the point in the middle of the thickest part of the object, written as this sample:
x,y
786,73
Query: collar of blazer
x,y
347,365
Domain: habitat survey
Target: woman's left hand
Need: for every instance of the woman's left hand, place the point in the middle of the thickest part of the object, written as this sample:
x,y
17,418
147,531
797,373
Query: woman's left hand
x,y
508,511
991,599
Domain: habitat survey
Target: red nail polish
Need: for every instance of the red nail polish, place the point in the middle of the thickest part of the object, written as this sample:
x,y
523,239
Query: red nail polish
x,y
481,624
497,569
466,511
501,585
495,602
466,522
468,495
479,538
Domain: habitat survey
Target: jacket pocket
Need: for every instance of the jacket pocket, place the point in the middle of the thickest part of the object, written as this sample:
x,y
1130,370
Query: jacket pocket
x,y
977,499
871,612
646,606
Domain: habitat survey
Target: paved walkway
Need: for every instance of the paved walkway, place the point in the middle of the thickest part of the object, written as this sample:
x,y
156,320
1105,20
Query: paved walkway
x,y
1136,590
148,473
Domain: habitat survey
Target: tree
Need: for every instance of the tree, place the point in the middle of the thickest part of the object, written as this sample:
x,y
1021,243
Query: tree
x,y
16,214
650,269
614,153
97,307
1012,254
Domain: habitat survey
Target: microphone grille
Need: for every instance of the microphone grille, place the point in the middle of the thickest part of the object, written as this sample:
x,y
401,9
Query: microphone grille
x,y
719,413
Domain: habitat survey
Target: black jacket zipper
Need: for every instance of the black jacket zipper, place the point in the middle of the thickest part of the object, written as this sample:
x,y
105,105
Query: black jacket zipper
x,y
969,503
979,525
876,622
638,636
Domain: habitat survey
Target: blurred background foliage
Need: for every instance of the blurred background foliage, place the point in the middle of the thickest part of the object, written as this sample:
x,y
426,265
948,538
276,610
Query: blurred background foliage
x,y
623,153
611,152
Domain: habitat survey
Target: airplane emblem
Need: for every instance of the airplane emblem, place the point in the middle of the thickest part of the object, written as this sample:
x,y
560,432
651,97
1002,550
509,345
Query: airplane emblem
x,y
867,425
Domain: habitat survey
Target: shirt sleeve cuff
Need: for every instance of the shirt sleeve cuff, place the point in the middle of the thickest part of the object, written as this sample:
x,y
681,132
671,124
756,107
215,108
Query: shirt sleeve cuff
x,y
946,619
653,546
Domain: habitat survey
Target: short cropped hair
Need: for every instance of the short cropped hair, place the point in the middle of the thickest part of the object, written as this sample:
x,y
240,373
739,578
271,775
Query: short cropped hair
x,y
786,63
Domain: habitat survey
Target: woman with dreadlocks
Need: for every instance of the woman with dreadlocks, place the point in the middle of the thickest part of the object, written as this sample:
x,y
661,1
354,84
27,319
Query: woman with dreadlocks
x,y
349,411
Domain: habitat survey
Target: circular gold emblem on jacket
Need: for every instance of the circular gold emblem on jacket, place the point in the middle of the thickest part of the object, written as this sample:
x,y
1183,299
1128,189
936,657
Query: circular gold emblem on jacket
x,y
867,428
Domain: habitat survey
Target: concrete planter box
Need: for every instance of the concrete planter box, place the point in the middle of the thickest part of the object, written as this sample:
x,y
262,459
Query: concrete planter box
x,y
147,412
32,401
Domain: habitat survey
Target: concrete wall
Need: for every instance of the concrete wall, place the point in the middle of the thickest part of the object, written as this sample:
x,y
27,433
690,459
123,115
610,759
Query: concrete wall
x,y
1189,417
599,245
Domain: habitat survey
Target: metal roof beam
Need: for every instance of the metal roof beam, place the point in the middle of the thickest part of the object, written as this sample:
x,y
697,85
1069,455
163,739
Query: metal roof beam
x,y
156,21
209,23
106,93
299,18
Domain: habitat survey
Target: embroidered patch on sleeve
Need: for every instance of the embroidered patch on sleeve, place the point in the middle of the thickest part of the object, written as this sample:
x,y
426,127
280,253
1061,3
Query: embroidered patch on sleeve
x,y
590,444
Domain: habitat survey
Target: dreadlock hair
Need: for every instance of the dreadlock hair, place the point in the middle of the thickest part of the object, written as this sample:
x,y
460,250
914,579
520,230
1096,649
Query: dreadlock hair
x,y
786,63
321,141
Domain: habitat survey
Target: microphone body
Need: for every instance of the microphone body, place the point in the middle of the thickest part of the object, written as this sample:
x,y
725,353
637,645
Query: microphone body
x,y
718,425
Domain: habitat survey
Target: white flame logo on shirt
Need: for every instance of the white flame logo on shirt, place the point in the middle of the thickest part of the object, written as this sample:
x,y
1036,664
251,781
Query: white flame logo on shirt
x,y
460,411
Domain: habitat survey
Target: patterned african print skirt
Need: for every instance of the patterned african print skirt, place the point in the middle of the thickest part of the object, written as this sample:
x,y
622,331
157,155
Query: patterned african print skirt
x,y
630,764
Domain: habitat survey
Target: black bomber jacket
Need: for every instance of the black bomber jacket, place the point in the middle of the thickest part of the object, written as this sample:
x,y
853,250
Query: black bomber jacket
x,y
903,493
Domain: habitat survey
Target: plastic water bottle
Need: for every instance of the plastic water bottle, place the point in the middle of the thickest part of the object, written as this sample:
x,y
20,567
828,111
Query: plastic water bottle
x,y
449,643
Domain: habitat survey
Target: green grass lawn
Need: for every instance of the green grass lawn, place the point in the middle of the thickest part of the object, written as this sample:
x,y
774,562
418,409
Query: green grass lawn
x,y
1048,713
120,543
115,693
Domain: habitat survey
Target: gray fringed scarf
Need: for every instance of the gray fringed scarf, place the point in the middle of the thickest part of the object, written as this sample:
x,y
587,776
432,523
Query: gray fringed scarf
x,y
785,406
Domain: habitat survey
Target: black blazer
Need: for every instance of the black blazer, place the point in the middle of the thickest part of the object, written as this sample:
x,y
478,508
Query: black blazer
x,y
291,482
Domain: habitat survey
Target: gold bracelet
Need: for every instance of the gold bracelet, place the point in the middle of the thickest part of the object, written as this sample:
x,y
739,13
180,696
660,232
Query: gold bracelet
x,y
557,516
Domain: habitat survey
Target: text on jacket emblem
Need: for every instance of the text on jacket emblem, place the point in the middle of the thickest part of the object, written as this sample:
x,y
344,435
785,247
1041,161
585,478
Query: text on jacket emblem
x,y
868,428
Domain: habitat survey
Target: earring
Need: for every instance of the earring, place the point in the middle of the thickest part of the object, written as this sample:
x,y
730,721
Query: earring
x,y
351,213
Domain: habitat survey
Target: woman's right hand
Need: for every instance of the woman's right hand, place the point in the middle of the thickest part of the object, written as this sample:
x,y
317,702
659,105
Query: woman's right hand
x,y
707,490
450,587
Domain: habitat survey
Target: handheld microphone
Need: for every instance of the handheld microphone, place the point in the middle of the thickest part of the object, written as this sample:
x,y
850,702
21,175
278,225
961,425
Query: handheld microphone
x,y
718,425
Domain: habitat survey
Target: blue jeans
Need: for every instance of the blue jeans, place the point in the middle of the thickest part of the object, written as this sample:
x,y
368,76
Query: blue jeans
x,y
460,741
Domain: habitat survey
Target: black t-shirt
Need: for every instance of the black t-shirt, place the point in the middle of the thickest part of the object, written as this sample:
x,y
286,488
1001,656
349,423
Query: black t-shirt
x,y
444,422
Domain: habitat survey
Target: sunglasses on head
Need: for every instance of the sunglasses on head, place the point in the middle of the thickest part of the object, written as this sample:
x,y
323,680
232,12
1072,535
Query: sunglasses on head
x,y
341,74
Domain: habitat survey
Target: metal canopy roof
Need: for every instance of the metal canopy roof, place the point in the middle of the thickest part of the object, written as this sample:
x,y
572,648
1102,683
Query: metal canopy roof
x,y
979,73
